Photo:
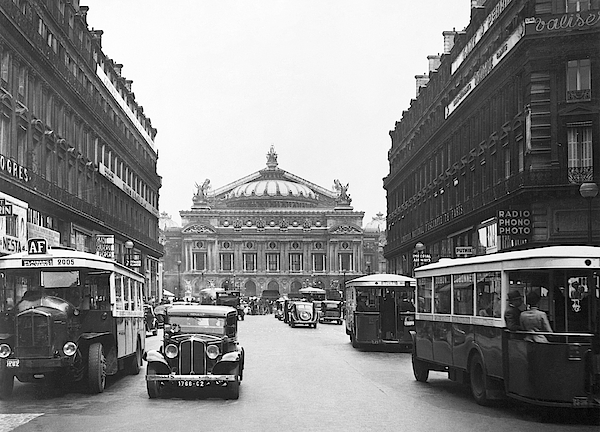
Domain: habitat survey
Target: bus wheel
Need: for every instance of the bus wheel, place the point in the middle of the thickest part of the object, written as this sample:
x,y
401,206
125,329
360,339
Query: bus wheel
x,y
96,368
155,388
135,360
7,382
420,369
479,380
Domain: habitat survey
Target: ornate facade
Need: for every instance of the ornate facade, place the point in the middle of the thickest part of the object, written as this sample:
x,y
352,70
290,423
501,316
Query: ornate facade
x,y
268,230
504,131
77,153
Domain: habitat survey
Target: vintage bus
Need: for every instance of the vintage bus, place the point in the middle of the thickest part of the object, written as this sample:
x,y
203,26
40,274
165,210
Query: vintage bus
x,y
68,316
460,329
380,310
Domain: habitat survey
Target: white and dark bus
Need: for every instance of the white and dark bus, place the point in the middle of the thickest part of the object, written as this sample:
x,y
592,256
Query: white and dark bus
x,y
68,316
460,329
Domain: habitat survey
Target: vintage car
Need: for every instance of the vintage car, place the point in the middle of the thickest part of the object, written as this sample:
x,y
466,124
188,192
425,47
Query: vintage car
x,y
302,313
331,311
278,308
200,351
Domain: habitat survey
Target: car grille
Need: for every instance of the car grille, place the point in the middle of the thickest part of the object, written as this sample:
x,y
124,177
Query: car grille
x,y
192,358
33,334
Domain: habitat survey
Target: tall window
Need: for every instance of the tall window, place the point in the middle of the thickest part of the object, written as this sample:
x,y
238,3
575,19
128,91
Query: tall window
x,y
318,262
580,164
577,5
199,262
226,261
579,80
346,262
463,294
249,262
273,262
296,262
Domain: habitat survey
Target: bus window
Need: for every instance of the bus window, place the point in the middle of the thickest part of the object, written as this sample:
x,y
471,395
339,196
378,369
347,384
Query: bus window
x,y
488,294
463,294
529,281
441,294
119,293
7,295
424,295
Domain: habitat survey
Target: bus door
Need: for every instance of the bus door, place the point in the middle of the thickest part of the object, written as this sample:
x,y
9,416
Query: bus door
x,y
406,314
388,314
367,316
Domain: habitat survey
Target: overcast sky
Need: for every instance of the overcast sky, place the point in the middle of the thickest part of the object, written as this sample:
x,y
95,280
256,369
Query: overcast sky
x,y
323,81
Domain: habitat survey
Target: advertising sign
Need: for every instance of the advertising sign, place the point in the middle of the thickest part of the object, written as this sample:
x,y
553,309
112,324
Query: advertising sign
x,y
105,246
13,225
514,223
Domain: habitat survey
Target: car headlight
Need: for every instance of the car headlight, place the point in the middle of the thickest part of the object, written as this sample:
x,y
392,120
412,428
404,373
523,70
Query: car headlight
x,y
69,348
5,350
212,351
171,351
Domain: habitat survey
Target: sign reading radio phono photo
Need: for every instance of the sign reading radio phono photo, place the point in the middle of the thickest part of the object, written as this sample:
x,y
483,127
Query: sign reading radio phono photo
x,y
515,223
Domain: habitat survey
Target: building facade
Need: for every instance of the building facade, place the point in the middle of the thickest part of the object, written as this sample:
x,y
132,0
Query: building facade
x,y
504,131
270,230
77,153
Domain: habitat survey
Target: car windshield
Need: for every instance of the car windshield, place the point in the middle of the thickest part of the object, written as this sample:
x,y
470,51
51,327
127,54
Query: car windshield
x,y
198,324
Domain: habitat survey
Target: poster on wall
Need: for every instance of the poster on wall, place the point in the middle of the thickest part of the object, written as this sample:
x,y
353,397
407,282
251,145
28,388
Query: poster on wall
x,y
13,224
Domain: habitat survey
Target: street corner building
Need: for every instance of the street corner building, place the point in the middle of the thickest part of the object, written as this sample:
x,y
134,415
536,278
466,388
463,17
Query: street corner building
x,y
499,149
269,232
77,152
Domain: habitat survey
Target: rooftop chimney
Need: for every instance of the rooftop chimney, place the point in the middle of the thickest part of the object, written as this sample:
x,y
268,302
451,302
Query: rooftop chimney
x,y
434,62
449,39
421,81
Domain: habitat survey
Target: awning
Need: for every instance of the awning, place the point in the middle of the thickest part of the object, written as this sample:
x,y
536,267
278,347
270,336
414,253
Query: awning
x,y
311,290
167,293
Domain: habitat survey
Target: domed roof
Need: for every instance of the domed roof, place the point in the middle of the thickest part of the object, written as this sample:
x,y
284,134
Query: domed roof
x,y
272,188
378,224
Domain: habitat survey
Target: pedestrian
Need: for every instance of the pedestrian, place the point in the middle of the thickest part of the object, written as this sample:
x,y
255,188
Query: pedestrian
x,y
534,320
513,312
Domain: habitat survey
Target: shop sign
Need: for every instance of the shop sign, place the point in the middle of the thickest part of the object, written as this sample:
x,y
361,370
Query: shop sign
x,y
514,223
13,169
105,246
583,20
463,251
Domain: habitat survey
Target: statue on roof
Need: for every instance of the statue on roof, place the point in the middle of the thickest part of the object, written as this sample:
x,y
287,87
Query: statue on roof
x,y
272,158
202,191
343,195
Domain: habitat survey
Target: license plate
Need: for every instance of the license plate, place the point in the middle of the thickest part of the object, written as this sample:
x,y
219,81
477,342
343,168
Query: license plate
x,y
409,322
12,363
189,384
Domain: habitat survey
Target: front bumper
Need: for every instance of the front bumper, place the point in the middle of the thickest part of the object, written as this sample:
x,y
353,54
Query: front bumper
x,y
199,378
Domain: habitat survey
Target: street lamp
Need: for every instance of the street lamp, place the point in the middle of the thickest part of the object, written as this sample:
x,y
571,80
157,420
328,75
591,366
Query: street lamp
x,y
418,257
128,248
589,191
179,279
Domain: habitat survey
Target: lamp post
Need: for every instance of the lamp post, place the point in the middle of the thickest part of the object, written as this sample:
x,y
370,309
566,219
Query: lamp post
x,y
418,256
128,248
589,191
179,279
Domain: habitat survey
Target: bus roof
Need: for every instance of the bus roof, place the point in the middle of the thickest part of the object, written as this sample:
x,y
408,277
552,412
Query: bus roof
x,y
542,257
70,259
382,279
210,310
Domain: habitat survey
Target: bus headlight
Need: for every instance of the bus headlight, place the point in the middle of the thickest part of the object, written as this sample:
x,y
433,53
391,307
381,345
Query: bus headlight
x,y
5,350
69,348
212,351
171,351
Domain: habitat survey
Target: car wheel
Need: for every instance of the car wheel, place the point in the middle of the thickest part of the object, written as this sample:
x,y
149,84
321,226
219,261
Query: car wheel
x,y
7,382
233,389
96,368
292,324
479,380
155,388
